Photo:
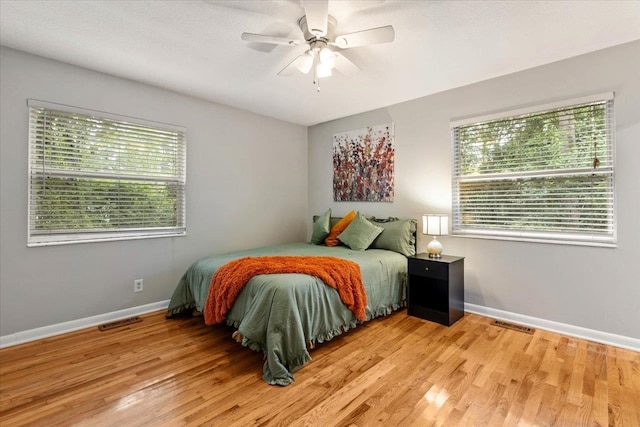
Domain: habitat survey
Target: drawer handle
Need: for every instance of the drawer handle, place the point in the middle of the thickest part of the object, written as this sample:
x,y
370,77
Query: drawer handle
x,y
426,268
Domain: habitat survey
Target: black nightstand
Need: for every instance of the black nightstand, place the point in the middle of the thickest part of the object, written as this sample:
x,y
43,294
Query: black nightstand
x,y
436,288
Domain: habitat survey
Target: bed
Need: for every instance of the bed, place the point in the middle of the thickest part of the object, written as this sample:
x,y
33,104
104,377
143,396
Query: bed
x,y
284,315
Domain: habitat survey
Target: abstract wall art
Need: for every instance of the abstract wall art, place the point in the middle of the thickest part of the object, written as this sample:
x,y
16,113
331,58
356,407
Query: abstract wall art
x,y
363,164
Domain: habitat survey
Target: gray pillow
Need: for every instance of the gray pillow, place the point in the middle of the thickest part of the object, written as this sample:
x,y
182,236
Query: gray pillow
x,y
399,235
360,233
321,228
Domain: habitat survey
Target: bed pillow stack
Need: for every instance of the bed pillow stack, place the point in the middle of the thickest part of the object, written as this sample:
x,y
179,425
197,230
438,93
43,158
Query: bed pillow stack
x,y
398,235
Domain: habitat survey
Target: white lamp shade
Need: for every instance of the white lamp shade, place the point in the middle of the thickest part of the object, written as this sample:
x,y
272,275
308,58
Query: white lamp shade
x,y
305,62
435,224
327,58
323,71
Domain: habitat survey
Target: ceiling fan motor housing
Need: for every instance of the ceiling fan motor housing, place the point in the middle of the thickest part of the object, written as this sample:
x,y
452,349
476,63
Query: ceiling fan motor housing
x,y
311,37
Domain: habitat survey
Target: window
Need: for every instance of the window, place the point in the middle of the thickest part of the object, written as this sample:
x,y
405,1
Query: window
x,y
540,174
95,176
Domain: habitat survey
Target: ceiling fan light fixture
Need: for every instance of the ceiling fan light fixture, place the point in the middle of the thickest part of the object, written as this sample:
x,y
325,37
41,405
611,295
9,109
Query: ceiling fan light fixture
x,y
323,70
305,62
327,57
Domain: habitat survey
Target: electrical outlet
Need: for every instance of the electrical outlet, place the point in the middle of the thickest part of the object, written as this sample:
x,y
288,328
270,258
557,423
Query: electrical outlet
x,y
137,285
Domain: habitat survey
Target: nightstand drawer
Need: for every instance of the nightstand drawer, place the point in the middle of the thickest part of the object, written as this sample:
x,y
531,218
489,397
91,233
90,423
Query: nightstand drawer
x,y
435,270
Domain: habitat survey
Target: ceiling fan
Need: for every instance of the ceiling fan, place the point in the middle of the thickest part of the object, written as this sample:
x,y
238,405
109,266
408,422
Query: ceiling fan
x,y
322,54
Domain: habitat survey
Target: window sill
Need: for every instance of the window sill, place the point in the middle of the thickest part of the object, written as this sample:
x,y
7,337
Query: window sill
x,y
598,244
95,239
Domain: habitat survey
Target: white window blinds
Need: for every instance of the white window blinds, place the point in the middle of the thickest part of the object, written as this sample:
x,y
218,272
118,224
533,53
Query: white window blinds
x,y
542,174
96,176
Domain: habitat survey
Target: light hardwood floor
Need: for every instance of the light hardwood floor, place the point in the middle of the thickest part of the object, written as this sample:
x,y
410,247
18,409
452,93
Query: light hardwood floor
x,y
393,371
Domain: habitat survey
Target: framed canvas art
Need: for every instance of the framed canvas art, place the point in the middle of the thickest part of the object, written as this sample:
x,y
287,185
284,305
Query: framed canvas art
x,y
363,161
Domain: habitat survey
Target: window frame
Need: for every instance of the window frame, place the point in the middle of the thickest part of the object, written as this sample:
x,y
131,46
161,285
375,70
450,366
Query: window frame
x,y
40,238
554,237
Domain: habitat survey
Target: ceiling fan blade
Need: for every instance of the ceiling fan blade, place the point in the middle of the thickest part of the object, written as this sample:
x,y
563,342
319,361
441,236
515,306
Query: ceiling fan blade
x,y
302,63
344,65
361,38
317,13
262,38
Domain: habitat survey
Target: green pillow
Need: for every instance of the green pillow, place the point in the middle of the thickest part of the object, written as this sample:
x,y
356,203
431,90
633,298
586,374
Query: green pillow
x,y
321,228
360,233
398,235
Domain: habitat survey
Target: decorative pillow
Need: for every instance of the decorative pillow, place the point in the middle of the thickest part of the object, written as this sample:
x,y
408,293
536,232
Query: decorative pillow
x,y
399,235
321,228
360,233
332,238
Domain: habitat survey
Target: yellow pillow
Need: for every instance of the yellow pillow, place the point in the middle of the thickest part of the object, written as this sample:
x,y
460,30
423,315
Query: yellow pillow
x,y
332,238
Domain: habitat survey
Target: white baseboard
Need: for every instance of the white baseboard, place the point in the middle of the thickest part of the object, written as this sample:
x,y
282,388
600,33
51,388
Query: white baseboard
x,y
561,328
549,325
74,325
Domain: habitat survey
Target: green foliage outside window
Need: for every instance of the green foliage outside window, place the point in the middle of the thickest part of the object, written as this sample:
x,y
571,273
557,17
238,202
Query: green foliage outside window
x,y
94,204
567,139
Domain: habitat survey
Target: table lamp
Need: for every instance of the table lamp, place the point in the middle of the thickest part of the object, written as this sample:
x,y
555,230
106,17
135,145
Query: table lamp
x,y
435,225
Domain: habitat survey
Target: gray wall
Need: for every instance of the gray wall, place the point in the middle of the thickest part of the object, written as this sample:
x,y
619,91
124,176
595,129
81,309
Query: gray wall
x,y
246,187
595,288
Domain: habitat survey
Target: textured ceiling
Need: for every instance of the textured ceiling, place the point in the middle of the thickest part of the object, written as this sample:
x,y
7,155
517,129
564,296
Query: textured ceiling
x,y
194,47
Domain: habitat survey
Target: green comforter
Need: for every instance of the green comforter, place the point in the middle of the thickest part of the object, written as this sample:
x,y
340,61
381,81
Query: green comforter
x,y
280,314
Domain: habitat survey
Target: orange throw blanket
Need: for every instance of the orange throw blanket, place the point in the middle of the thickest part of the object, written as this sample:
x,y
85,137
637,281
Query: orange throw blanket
x,y
340,274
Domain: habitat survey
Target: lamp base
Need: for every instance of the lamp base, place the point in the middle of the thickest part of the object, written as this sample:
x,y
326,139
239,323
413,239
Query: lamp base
x,y
434,248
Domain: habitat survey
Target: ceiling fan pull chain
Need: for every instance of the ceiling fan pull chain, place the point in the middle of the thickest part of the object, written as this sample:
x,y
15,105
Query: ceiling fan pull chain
x,y
316,80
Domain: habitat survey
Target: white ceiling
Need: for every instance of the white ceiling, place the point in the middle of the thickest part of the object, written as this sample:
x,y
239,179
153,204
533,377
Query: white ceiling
x,y
194,47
